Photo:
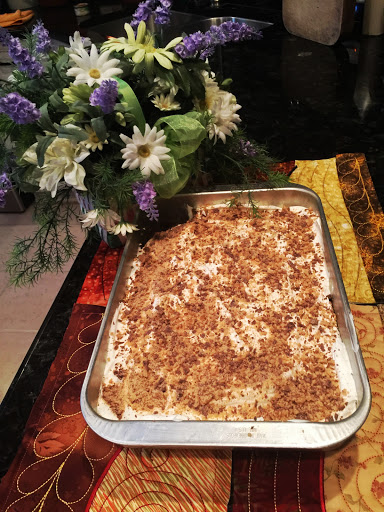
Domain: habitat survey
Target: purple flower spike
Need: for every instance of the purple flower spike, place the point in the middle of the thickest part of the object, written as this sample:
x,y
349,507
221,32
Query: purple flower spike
x,y
203,45
5,36
145,194
143,12
43,41
246,148
163,12
161,9
23,59
19,109
105,96
5,185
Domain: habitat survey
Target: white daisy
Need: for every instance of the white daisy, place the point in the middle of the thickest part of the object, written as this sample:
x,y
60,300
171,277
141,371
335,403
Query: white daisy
x,y
93,68
78,43
166,102
93,142
145,151
123,228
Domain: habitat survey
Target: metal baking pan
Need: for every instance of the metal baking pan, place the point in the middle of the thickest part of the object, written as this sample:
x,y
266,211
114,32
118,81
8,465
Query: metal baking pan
x,y
261,434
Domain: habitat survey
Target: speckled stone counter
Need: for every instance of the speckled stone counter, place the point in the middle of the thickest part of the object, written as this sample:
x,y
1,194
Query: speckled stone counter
x,y
302,99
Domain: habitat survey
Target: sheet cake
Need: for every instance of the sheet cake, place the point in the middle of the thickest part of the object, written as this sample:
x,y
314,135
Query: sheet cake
x,y
229,317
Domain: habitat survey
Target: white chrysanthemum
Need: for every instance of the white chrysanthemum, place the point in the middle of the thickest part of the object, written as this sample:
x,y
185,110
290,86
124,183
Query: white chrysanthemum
x,y
62,160
166,102
222,106
105,218
90,219
78,43
224,118
93,142
123,228
145,151
109,220
93,68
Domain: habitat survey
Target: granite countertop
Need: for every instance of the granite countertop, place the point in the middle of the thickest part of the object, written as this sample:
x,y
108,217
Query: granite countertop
x,y
302,99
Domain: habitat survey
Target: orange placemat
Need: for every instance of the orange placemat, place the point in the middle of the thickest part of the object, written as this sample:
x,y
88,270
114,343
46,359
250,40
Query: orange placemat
x,y
60,459
99,280
169,480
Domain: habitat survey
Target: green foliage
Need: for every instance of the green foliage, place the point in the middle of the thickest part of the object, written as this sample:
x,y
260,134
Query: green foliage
x,y
26,136
6,125
50,246
108,186
238,199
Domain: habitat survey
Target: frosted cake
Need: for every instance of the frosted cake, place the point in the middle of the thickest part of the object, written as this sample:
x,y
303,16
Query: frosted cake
x,y
228,317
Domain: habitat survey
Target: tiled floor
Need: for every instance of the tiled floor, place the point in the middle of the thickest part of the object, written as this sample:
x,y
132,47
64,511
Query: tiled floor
x,y
22,309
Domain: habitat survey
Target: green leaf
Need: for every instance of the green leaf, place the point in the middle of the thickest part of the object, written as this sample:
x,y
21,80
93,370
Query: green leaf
x,y
81,106
41,148
45,121
28,180
62,62
72,132
57,102
184,77
130,97
122,107
100,129
184,133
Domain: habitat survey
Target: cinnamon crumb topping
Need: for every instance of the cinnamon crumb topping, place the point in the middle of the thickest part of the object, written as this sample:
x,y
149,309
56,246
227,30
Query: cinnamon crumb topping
x,y
228,318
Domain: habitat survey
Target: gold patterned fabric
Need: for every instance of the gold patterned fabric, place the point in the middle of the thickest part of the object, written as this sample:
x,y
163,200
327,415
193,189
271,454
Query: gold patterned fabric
x,y
321,176
366,216
354,473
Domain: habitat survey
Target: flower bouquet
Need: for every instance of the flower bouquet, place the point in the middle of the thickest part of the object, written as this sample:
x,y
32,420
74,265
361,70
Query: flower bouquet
x,y
117,124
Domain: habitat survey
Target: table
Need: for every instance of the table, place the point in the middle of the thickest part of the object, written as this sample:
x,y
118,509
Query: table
x,y
304,100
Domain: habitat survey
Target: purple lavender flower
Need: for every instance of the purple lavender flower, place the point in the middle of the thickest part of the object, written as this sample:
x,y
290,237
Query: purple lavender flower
x,y
5,185
43,41
4,36
163,12
246,148
23,59
19,109
105,96
143,12
145,194
203,45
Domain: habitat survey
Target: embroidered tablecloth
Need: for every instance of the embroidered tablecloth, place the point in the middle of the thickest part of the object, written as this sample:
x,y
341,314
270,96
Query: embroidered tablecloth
x,y
62,465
